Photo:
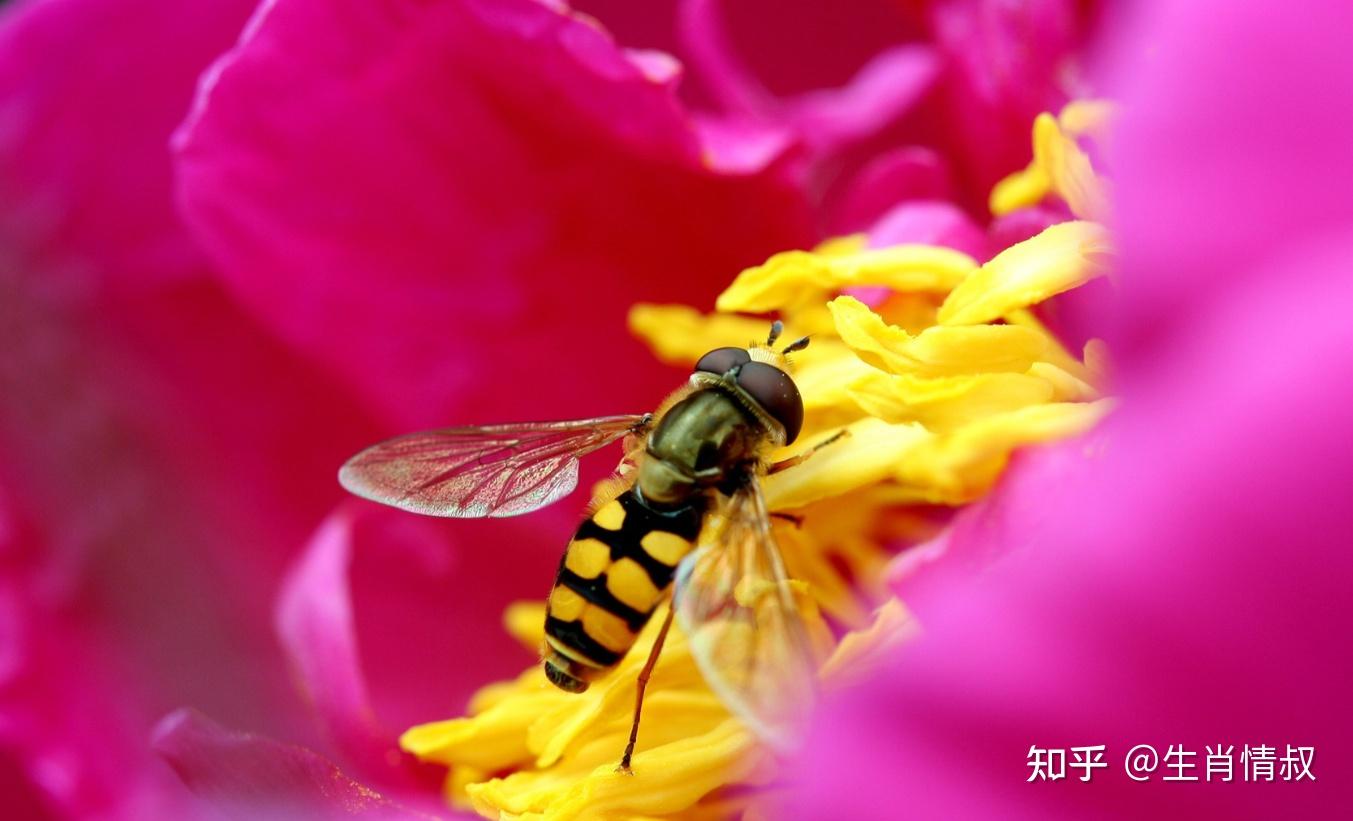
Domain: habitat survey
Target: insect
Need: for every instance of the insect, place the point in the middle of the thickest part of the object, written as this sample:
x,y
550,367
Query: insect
x,y
685,514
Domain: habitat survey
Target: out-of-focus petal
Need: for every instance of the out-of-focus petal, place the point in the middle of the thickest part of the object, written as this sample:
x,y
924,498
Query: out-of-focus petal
x,y
427,176
891,177
815,46
741,146
929,222
887,88
1025,223
86,114
1264,159
315,623
728,79
247,776
1006,63
69,719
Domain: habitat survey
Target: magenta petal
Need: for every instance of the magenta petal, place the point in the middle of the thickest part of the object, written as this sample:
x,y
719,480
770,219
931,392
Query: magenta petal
x,y
247,776
1019,225
399,655
70,720
908,173
87,105
884,91
929,222
1006,63
423,177
707,45
743,146
1264,158
748,53
315,624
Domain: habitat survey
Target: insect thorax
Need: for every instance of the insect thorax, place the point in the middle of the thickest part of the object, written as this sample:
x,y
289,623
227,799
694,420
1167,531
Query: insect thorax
x,y
704,441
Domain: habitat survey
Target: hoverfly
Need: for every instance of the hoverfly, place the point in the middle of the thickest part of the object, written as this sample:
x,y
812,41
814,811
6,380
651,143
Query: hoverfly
x,y
686,514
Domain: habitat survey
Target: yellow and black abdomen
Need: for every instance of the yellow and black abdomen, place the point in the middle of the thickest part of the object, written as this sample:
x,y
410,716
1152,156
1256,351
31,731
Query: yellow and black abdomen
x,y
615,571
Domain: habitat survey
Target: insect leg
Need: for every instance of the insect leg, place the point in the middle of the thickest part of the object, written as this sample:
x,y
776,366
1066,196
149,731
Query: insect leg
x,y
785,464
644,675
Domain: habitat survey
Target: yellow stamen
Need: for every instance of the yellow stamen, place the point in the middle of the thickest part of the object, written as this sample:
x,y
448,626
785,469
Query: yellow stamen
x,y
1060,166
1060,258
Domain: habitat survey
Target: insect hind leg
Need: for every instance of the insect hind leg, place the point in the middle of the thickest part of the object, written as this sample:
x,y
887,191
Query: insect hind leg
x,y
644,676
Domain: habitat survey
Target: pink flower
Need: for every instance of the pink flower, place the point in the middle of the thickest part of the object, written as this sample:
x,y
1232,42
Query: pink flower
x,y
1180,578
373,217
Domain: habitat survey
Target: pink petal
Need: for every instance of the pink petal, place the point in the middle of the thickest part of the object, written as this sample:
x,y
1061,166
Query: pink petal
x,y
1017,226
890,178
814,46
551,185
737,145
315,623
929,222
429,598
885,90
82,147
829,119
68,717
722,71
390,620
141,415
248,776
1262,179
1006,63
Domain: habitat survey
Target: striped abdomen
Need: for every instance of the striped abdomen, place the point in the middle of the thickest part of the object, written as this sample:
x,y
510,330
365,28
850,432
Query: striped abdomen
x,y
615,571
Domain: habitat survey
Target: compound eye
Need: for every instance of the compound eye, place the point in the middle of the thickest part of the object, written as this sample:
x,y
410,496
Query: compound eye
x,y
777,394
721,360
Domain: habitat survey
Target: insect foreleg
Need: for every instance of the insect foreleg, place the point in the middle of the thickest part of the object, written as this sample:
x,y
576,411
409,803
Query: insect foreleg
x,y
785,464
644,675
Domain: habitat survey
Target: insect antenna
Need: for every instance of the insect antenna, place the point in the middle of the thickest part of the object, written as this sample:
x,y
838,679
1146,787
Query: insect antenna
x,y
797,345
776,328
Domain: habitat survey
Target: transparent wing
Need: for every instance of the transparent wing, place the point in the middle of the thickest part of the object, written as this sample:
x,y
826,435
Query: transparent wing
x,y
735,605
497,470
